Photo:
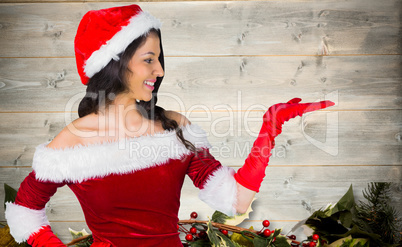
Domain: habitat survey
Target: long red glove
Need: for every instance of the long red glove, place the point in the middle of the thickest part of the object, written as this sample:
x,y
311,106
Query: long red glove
x,y
251,174
45,237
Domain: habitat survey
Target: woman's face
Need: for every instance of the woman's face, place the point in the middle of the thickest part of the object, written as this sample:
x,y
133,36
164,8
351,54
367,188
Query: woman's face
x,y
144,67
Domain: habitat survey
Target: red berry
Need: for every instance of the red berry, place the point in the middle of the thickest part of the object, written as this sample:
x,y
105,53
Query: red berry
x,y
202,234
194,215
312,244
293,237
225,232
193,230
266,223
267,233
316,237
189,237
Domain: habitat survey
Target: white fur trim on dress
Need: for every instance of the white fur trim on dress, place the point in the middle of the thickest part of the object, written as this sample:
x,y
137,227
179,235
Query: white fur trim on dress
x,y
139,25
220,191
23,221
80,163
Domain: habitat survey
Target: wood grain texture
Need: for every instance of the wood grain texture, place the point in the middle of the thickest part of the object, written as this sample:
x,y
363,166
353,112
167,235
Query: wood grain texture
x,y
219,28
226,62
360,82
327,138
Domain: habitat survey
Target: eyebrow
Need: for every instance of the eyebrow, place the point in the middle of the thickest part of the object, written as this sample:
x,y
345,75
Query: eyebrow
x,y
148,53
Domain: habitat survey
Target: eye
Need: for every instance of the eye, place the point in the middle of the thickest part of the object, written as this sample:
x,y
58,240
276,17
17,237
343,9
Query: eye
x,y
148,60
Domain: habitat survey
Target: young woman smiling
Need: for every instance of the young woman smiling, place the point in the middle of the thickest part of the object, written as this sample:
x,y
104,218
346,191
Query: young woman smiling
x,y
128,198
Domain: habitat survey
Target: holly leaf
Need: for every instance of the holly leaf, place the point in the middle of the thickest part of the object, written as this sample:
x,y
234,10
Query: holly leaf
x,y
219,217
212,235
282,241
78,234
225,241
276,233
10,194
217,238
241,240
200,243
350,242
347,202
222,218
357,233
260,241
327,220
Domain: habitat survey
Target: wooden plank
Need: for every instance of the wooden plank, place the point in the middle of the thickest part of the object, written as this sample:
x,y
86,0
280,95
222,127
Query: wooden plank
x,y
287,193
219,28
359,82
328,138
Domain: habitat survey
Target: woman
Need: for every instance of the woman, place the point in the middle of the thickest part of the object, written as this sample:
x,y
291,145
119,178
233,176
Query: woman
x,y
130,197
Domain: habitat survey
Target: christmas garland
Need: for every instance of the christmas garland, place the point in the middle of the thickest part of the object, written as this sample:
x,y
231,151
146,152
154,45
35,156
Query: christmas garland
x,y
373,223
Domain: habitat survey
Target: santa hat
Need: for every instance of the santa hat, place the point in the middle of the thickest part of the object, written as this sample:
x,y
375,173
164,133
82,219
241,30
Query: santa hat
x,y
103,34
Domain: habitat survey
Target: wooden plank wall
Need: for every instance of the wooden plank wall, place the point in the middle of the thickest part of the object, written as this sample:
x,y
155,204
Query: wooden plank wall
x,y
226,62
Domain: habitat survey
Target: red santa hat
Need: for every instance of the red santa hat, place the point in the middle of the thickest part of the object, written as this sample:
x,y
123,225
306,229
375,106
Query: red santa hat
x,y
103,34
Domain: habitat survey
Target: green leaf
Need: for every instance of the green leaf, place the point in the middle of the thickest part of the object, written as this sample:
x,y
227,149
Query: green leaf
x,y
212,235
200,243
217,238
219,217
238,238
222,218
350,242
346,218
282,241
78,234
260,241
84,243
10,194
276,232
347,202
225,241
357,233
199,226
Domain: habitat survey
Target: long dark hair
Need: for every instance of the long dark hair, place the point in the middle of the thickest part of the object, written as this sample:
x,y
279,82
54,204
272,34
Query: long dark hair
x,y
111,81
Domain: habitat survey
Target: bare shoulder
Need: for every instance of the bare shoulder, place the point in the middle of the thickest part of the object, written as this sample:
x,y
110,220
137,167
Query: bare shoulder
x,y
178,117
69,136
64,140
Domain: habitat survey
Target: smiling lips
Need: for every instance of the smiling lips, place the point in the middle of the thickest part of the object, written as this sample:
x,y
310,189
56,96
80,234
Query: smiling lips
x,y
150,84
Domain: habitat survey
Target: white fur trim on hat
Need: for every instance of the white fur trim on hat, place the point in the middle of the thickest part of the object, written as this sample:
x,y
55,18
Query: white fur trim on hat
x,y
220,191
80,163
23,221
139,25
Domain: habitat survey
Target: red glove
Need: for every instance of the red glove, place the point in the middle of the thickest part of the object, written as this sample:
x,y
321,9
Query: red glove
x,y
251,174
45,237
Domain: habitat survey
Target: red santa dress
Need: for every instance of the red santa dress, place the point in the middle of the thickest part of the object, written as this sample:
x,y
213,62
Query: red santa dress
x,y
129,190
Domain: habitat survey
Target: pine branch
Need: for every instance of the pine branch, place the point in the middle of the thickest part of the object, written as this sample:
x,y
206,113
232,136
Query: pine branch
x,y
377,216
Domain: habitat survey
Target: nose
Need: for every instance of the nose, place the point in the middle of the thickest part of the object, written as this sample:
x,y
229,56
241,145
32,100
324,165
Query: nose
x,y
158,70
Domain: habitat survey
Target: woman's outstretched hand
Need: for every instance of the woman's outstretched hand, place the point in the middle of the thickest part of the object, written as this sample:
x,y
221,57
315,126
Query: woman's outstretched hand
x,y
251,174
